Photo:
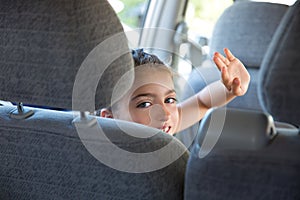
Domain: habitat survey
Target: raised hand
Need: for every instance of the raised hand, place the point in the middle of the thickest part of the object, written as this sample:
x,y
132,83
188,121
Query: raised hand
x,y
234,75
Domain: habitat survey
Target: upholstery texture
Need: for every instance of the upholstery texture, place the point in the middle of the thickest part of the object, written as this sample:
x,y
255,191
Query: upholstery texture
x,y
47,160
45,42
272,170
268,173
43,46
279,77
246,162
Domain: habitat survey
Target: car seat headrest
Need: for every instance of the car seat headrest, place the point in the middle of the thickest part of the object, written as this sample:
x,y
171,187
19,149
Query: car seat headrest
x,y
45,43
247,38
280,71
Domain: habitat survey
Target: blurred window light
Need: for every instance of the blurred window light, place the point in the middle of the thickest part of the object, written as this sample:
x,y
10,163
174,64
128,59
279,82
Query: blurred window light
x,y
117,5
287,2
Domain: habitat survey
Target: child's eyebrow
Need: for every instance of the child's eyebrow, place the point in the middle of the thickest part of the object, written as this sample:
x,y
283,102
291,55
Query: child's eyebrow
x,y
151,95
170,92
143,95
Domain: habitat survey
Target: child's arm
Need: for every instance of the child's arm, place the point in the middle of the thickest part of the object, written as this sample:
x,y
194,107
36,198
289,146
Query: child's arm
x,y
234,82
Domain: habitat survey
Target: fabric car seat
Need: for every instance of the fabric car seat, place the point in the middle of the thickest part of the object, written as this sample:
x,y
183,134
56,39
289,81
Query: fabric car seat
x,y
245,163
246,28
279,77
52,59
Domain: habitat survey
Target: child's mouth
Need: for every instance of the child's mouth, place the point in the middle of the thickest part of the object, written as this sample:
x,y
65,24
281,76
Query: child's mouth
x,y
166,129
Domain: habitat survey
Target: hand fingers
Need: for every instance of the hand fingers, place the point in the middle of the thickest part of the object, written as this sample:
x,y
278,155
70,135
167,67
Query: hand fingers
x,y
221,57
225,78
236,87
220,64
228,54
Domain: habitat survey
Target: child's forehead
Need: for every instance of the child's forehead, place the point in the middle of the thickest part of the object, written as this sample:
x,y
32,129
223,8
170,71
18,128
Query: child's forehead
x,y
150,71
148,74
152,68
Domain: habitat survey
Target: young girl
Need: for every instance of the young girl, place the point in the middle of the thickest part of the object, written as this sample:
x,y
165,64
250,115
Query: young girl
x,y
152,98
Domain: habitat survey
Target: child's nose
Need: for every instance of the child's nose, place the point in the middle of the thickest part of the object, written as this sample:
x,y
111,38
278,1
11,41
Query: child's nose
x,y
166,114
159,113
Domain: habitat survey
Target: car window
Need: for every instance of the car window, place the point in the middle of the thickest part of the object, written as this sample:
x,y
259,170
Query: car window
x,y
130,12
201,16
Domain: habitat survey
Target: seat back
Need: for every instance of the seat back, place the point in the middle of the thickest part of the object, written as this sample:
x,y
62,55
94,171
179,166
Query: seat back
x,y
280,71
47,42
53,53
270,170
242,158
246,28
45,157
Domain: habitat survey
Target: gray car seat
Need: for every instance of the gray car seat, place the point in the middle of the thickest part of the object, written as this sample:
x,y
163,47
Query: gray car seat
x,y
46,46
279,78
250,160
246,28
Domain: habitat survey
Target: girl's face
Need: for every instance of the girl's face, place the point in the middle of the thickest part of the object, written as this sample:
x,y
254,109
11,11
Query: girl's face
x,y
151,100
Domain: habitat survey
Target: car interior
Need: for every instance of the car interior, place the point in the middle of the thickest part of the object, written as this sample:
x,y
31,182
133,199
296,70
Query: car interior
x,y
43,156
252,166
60,63
243,38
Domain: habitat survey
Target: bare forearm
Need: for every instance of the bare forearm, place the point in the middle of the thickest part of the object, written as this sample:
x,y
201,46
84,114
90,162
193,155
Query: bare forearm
x,y
193,109
215,94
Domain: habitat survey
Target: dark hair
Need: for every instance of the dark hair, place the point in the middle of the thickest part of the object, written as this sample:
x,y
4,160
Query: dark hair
x,y
140,57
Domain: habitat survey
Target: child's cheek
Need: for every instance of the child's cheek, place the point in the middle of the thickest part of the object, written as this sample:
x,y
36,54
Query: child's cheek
x,y
141,116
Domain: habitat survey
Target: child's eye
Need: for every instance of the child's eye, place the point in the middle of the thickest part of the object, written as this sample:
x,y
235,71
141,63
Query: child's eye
x,y
171,100
144,105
